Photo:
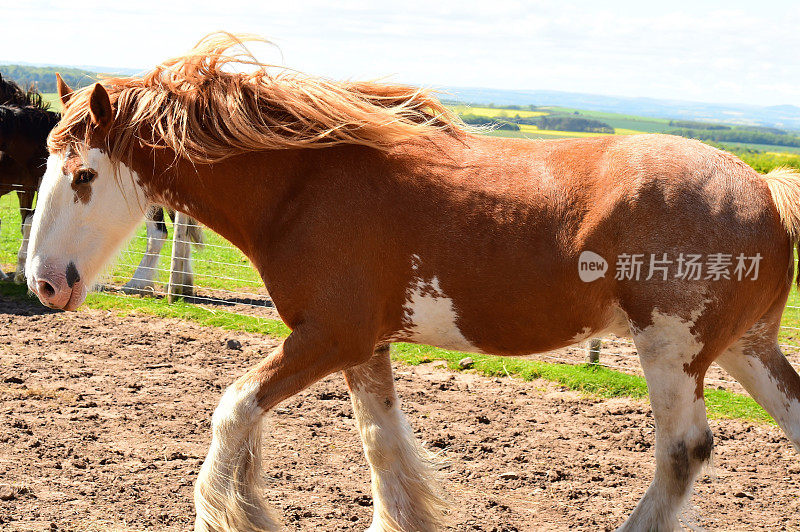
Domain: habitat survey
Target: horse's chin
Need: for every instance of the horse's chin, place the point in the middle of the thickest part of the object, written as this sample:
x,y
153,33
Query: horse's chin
x,y
77,297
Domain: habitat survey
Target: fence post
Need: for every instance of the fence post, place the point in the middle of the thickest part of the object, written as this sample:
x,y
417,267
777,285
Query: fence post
x,y
181,279
593,353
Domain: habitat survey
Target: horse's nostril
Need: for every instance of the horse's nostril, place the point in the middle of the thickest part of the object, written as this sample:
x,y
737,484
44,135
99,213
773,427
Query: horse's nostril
x,y
45,289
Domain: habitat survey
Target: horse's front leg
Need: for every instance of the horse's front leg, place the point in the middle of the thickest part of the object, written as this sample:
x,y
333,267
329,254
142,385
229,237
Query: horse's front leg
x,y
404,493
228,491
3,275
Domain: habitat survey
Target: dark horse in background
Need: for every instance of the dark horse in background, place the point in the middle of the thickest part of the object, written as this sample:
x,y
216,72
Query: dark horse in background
x,y
25,122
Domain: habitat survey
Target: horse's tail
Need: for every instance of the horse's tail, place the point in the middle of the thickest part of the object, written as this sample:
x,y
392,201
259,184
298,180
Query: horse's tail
x,y
784,186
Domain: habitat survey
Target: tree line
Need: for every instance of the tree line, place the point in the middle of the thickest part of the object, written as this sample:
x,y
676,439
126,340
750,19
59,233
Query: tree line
x,y
44,78
551,122
573,123
479,120
710,126
739,135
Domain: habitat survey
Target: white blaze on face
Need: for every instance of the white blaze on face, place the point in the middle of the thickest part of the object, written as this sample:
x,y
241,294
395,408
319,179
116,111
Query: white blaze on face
x,y
85,233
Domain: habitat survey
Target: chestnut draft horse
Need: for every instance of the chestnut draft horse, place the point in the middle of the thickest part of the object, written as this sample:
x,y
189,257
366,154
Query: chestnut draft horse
x,y
374,216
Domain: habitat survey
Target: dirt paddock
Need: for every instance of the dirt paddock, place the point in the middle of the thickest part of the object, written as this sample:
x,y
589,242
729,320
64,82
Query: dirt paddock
x,y
105,421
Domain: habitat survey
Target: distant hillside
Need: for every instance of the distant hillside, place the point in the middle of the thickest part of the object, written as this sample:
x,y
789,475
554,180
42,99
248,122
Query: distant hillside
x,y
776,116
44,78
782,116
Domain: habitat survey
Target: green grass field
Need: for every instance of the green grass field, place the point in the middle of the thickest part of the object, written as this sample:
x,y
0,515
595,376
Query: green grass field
x,y
497,112
53,100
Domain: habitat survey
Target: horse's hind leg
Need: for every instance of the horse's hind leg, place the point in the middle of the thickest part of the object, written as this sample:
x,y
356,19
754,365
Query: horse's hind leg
x,y
404,493
683,438
181,275
757,363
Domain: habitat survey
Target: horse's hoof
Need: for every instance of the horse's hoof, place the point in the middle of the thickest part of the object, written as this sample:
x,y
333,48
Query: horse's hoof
x,y
140,290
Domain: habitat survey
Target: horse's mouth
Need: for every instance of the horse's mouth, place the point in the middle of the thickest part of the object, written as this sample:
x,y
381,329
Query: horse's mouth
x,y
77,297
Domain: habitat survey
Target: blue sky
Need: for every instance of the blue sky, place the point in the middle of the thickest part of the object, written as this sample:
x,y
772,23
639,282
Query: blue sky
x,y
714,51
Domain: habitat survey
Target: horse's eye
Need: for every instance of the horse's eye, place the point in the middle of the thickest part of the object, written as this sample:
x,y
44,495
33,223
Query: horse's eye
x,y
84,176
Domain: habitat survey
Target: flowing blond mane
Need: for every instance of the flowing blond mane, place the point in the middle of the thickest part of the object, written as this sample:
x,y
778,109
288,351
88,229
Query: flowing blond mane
x,y
206,113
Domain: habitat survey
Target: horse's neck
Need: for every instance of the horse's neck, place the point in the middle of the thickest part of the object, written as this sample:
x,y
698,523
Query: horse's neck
x,y
234,198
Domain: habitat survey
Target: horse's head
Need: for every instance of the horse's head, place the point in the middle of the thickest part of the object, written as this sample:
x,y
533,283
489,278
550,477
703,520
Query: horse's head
x,y
88,204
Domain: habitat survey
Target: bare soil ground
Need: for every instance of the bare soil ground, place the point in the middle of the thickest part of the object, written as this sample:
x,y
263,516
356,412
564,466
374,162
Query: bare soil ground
x,y
104,422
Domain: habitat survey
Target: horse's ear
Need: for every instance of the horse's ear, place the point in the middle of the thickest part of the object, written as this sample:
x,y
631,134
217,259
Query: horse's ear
x,y
64,92
100,107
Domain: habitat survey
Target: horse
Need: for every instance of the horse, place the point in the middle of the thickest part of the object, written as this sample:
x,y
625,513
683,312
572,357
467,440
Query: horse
x,y
25,121
373,216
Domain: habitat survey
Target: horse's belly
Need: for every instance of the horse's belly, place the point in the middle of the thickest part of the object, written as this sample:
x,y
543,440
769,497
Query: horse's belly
x,y
432,317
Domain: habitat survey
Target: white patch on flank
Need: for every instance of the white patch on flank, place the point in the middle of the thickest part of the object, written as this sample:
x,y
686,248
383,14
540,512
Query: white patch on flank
x,y
581,336
430,318
670,335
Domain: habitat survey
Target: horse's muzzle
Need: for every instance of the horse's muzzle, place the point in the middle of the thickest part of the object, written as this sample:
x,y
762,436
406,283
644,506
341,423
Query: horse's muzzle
x,y
57,287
